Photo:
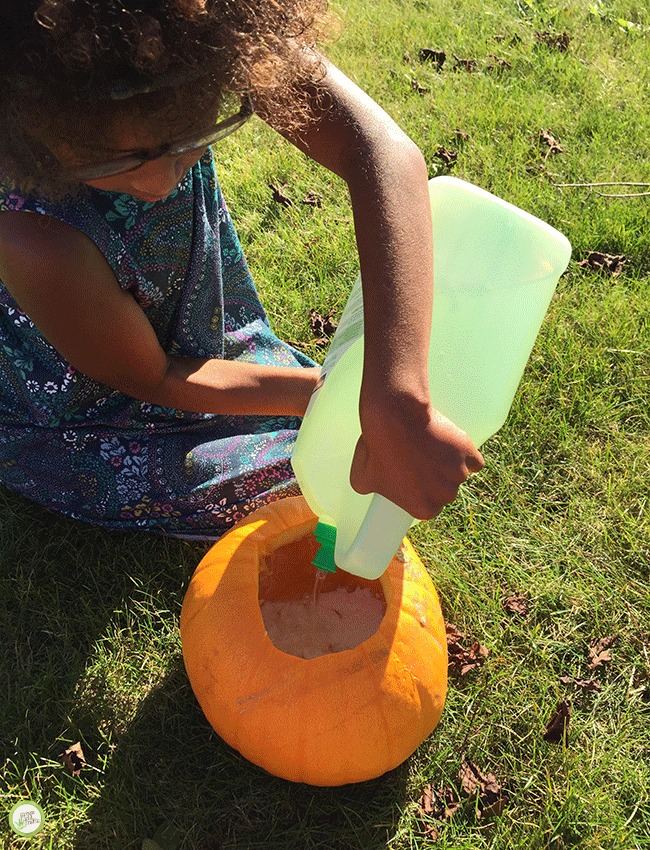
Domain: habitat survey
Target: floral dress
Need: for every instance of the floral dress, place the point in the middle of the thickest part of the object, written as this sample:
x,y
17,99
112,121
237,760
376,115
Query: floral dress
x,y
85,450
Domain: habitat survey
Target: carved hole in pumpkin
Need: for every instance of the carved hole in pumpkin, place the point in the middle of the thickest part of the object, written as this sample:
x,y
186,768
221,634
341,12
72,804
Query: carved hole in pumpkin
x,y
347,611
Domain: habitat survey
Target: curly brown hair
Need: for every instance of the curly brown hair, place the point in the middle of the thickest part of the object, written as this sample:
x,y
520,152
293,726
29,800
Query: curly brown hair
x,y
68,67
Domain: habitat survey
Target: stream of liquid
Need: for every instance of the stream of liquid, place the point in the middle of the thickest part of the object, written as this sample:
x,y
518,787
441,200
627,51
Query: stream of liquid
x,y
318,582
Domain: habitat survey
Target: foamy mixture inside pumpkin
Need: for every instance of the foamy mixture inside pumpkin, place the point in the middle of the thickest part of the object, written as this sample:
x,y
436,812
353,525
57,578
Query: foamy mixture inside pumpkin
x,y
332,621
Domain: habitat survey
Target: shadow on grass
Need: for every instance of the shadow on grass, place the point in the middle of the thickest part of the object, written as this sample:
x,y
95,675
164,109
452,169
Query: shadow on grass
x,y
62,585
170,769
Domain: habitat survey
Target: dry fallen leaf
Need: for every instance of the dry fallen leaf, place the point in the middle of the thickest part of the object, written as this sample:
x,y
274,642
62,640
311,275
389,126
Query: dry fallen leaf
x,y
427,808
491,799
449,157
469,779
557,728
599,651
437,57
547,138
596,261
279,196
311,199
438,804
559,41
588,685
428,830
468,65
73,759
462,660
426,800
517,603
417,86
495,63
322,326
472,780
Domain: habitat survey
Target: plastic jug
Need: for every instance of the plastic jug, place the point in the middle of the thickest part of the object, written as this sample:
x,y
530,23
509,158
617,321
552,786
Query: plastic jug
x,y
495,270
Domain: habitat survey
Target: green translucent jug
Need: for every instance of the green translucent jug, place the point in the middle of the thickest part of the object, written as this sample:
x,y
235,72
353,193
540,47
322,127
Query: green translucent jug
x,y
495,270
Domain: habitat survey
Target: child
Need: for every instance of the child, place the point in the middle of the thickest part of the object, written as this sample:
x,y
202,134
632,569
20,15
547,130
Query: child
x,y
140,383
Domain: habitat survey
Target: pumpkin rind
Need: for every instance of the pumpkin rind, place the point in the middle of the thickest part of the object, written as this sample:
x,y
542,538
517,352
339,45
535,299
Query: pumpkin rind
x,y
338,718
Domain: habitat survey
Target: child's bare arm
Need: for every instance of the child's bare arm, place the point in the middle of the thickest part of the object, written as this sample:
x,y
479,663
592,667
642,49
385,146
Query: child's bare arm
x,y
408,452
66,287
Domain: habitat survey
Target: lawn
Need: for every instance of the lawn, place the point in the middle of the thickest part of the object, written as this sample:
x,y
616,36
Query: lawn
x,y
542,563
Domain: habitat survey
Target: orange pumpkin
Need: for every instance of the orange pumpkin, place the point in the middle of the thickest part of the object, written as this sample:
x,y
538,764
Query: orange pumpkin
x,y
338,718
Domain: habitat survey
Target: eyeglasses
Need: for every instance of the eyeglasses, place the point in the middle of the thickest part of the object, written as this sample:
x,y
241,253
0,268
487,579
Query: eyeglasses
x,y
124,164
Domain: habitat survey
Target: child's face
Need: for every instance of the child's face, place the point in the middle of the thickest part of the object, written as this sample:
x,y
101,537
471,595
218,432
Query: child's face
x,y
139,162
153,180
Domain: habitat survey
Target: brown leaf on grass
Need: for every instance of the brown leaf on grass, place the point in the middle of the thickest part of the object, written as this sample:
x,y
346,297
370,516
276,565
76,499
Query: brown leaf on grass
x,y
517,604
468,65
557,40
557,728
547,138
599,651
426,800
428,830
311,199
452,803
279,196
437,57
469,779
597,261
438,804
589,685
322,327
494,809
427,808
462,660
453,634
474,781
417,86
495,63
461,135
449,157
474,656
73,759
491,799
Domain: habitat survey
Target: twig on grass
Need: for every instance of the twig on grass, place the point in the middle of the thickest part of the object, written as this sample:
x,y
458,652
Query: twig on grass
x,y
607,183
623,195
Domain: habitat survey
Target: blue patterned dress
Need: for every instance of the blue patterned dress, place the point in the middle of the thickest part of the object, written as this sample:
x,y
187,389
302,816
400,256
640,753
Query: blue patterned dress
x,y
84,450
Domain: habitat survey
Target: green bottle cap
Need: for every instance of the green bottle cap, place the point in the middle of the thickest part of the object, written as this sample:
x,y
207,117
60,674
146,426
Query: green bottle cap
x,y
326,536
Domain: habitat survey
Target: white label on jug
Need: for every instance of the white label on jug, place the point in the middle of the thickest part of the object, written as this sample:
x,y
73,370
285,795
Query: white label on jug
x,y
350,328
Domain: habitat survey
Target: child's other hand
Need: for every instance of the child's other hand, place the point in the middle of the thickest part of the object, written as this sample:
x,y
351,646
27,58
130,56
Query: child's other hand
x,y
411,454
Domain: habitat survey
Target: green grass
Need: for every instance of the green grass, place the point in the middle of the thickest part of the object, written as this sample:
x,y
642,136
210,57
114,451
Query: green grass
x,y
89,620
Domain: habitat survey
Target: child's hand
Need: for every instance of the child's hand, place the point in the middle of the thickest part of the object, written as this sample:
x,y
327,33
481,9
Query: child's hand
x,y
412,455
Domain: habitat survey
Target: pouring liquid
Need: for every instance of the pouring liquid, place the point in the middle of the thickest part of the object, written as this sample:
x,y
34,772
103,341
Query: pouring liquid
x,y
318,583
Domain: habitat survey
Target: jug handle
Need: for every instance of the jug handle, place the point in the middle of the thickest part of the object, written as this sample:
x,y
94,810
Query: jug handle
x,y
382,530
